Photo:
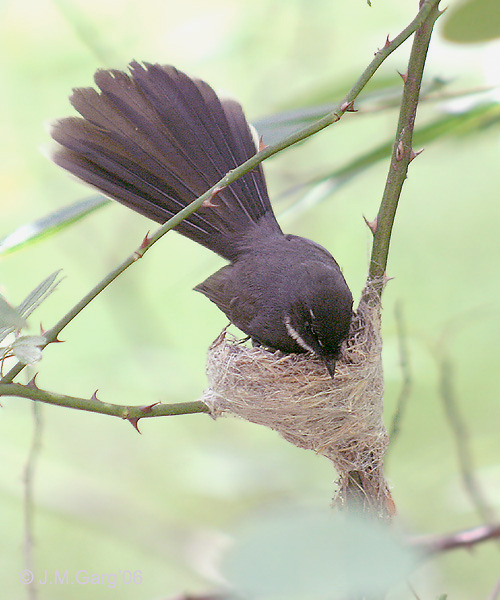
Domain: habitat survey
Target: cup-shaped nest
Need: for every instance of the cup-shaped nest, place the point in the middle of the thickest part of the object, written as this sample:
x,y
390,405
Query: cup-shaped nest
x,y
293,394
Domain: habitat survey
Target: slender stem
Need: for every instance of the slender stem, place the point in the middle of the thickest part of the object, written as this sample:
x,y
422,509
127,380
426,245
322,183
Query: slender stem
x,y
28,501
402,151
495,594
345,105
432,544
94,405
460,433
402,154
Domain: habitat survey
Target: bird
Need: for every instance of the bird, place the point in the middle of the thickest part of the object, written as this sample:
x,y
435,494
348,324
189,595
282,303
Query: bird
x,y
155,139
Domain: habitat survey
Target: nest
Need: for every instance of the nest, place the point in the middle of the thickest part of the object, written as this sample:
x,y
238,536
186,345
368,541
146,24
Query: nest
x,y
293,394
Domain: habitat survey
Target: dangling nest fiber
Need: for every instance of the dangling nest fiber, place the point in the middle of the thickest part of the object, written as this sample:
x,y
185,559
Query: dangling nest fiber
x,y
293,394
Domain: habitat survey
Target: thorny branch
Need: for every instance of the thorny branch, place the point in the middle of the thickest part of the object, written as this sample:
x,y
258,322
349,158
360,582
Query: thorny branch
x,y
402,152
402,155
434,544
93,404
427,14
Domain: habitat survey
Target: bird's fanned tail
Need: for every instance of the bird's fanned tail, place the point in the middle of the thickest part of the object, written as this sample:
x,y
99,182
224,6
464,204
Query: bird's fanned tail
x,y
155,140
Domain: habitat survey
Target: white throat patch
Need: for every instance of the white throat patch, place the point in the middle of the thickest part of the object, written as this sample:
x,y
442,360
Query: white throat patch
x,y
296,335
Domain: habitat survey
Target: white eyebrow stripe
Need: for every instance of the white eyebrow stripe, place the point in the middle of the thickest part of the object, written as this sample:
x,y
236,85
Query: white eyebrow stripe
x,y
296,335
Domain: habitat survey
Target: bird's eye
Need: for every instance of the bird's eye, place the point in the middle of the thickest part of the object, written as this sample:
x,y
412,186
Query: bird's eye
x,y
314,332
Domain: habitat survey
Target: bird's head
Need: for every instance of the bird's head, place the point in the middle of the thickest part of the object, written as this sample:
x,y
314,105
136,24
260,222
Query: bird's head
x,y
320,319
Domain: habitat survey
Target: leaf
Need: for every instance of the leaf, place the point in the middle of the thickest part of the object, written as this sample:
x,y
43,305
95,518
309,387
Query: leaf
x,y
319,191
28,348
478,115
473,21
10,317
318,104
50,224
317,556
39,294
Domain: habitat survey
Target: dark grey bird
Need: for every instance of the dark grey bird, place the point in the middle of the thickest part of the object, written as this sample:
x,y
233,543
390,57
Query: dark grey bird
x,y
155,139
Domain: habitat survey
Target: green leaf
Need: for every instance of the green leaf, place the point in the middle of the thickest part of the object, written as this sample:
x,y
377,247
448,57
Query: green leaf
x,y
39,294
473,21
10,317
317,556
318,103
474,118
50,224
28,348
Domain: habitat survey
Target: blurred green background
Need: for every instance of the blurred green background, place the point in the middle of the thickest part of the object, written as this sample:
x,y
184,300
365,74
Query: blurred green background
x,y
166,502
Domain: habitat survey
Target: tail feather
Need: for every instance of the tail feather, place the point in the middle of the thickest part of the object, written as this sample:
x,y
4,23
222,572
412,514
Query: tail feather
x,y
235,117
155,140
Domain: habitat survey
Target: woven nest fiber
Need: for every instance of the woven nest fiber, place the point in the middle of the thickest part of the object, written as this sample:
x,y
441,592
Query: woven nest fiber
x,y
293,394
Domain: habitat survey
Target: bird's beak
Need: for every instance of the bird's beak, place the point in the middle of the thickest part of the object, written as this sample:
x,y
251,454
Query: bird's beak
x,y
330,365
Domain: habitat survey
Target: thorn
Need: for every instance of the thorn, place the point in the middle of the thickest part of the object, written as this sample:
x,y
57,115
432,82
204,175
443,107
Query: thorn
x,y
94,396
400,151
216,191
404,76
348,107
372,225
42,330
441,12
32,383
134,421
386,279
139,253
386,45
262,146
208,202
57,341
414,154
145,242
149,407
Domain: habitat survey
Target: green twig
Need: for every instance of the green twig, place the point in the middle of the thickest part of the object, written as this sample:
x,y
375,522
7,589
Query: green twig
x,y
402,151
427,7
402,154
456,124
92,404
